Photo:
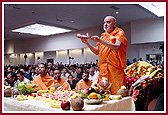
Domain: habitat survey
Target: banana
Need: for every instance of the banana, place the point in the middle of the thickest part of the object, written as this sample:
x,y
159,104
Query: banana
x,y
7,87
20,98
43,91
117,97
55,105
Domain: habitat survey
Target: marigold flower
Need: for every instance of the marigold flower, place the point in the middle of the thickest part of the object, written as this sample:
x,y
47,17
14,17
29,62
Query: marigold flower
x,y
144,85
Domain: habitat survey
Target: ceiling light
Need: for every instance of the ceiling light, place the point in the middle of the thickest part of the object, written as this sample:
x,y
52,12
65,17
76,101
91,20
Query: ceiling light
x,y
41,29
117,12
156,8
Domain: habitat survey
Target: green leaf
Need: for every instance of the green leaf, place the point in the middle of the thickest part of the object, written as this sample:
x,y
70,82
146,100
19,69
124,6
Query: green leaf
x,y
109,86
100,87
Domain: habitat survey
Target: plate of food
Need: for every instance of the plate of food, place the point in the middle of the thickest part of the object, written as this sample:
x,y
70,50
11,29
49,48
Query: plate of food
x,y
115,97
93,101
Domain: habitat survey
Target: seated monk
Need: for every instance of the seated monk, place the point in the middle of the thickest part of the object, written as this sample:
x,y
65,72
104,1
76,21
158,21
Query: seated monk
x,y
57,76
44,81
84,83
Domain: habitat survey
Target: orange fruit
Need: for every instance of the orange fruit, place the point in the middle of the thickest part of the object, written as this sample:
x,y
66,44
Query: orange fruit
x,y
93,95
52,89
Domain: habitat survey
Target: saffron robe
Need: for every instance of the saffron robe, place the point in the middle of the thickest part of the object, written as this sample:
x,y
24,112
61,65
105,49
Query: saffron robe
x,y
63,83
44,83
83,85
114,69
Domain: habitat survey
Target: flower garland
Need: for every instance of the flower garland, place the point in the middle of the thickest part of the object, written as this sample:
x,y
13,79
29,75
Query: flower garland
x,y
145,73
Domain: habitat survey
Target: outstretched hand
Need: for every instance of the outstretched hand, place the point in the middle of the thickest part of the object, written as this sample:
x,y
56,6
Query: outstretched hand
x,y
95,38
85,37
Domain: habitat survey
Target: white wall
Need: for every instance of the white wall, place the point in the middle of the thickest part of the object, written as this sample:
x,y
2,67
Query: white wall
x,y
39,54
67,45
61,56
147,31
77,54
89,56
31,57
132,50
9,46
139,50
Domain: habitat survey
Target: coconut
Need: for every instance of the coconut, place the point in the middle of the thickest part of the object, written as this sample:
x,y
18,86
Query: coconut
x,y
7,92
123,92
56,85
77,104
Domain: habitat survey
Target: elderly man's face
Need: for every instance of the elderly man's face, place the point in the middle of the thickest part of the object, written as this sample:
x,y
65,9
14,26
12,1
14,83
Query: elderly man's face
x,y
109,24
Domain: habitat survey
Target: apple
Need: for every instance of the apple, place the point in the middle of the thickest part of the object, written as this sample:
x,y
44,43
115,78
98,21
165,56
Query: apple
x,y
101,91
65,105
90,90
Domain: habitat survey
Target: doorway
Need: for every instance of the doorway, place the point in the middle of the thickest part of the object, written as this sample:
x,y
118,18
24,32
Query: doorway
x,y
50,61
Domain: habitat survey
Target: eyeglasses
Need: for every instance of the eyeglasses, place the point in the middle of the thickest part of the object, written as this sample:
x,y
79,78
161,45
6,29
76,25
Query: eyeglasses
x,y
85,76
56,73
7,78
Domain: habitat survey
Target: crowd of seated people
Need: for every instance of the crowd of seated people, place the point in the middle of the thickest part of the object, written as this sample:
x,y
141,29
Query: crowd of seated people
x,y
72,74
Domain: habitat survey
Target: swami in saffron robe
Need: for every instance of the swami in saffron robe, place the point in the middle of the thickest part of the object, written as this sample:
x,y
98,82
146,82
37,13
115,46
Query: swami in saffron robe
x,y
63,83
113,70
44,83
83,85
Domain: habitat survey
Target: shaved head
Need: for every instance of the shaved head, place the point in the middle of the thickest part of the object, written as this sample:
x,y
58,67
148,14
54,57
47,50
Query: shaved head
x,y
111,18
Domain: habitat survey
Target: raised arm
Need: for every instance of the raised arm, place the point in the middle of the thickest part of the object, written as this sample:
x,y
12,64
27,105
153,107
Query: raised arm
x,y
112,46
84,39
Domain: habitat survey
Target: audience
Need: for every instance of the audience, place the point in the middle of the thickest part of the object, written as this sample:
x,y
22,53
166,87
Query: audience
x,y
93,77
71,82
71,74
21,78
11,79
79,74
44,81
64,74
84,83
57,76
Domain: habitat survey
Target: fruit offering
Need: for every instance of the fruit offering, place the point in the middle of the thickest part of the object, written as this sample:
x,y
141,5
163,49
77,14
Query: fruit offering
x,y
104,84
65,105
93,95
123,91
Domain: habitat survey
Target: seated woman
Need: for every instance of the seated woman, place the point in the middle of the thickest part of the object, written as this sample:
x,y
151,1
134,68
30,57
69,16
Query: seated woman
x,y
71,82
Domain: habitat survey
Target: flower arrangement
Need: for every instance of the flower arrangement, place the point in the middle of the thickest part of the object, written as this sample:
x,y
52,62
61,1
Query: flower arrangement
x,y
144,73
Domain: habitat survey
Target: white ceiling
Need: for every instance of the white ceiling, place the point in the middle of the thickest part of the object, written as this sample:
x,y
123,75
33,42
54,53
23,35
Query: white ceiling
x,y
82,15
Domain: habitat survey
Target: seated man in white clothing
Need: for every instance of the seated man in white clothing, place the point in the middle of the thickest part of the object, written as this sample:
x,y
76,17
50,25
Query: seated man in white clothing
x,y
64,74
93,77
21,78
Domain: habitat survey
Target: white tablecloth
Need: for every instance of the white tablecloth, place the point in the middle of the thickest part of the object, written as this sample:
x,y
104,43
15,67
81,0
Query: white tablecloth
x,y
124,104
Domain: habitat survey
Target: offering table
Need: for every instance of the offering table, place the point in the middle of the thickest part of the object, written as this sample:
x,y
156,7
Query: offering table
x,y
124,104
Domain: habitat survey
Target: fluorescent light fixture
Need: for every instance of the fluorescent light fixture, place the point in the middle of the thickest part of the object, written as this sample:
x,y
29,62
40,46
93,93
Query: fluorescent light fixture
x,y
41,29
158,8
